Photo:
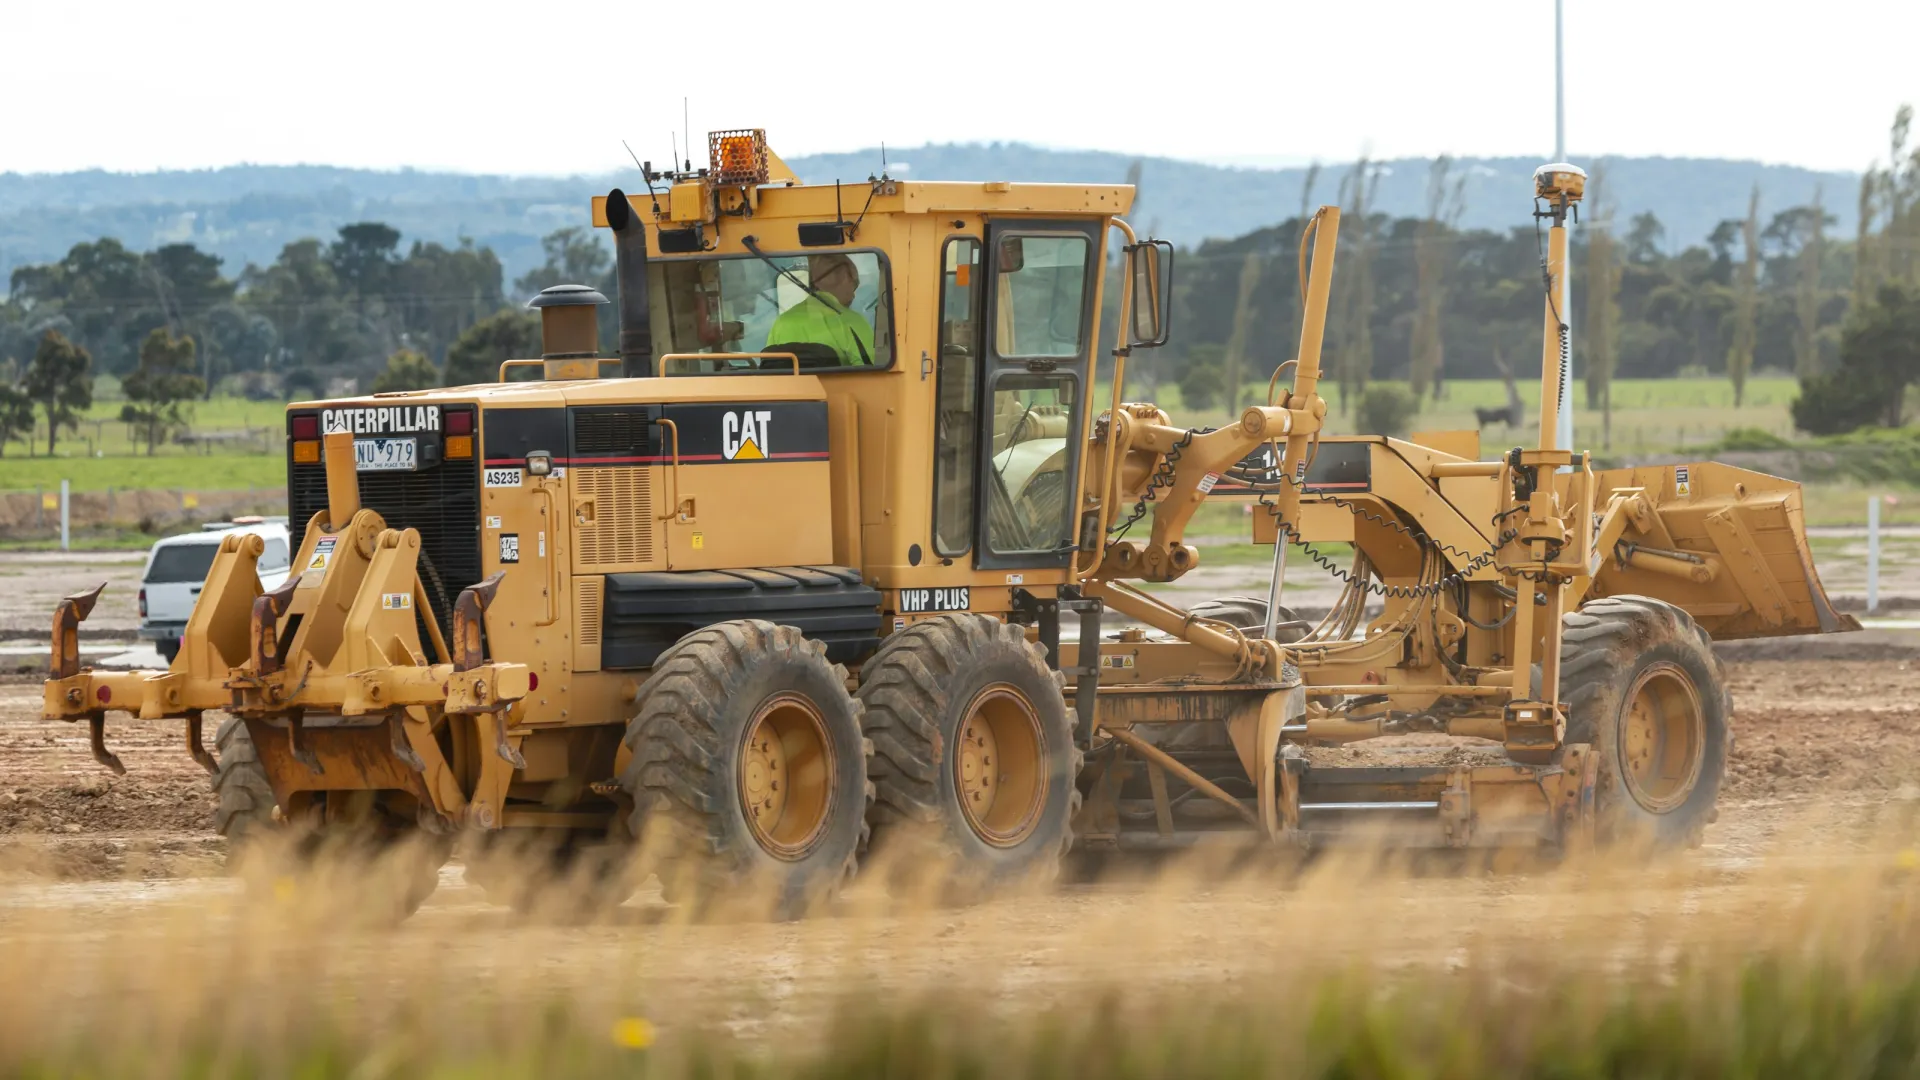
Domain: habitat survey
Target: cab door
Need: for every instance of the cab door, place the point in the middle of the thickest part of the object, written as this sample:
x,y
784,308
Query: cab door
x,y
1035,377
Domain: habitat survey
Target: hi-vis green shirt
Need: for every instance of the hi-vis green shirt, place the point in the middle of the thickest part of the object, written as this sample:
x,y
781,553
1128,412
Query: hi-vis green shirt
x,y
822,320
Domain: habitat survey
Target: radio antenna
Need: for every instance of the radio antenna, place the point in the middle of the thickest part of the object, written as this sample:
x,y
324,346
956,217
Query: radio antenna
x,y
686,127
673,140
883,159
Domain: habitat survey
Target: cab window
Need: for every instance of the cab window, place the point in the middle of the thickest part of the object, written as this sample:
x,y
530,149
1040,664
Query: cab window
x,y
1028,483
830,309
955,427
1040,307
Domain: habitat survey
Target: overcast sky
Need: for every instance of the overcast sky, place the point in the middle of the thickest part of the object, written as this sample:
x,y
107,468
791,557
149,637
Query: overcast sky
x,y
551,88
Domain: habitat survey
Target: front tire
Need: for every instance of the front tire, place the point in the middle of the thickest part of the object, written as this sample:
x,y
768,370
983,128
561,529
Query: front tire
x,y
243,812
749,768
974,760
168,648
1642,686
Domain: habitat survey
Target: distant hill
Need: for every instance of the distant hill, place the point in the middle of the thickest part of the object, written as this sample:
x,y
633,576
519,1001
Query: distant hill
x,y
247,213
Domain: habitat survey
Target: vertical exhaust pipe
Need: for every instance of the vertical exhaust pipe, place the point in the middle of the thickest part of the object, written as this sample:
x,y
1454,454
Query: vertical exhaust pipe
x,y
630,265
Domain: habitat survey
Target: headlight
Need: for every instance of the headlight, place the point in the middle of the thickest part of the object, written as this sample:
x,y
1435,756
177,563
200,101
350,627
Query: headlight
x,y
539,463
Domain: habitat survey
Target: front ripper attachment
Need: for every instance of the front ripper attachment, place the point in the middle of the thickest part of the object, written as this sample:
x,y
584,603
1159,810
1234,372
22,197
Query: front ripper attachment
x,y
469,653
65,664
332,653
67,617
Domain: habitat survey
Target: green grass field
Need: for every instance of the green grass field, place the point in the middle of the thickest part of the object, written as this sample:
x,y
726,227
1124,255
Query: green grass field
x,y
1650,416
105,453
187,472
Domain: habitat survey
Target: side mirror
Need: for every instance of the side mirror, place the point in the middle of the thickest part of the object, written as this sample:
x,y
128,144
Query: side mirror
x,y
1150,266
1013,255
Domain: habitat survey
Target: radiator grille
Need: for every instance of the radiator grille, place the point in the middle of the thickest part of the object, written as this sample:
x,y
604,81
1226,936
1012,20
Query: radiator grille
x,y
442,501
611,431
622,533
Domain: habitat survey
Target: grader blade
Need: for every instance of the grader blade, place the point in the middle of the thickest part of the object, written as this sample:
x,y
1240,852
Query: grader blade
x,y
1727,544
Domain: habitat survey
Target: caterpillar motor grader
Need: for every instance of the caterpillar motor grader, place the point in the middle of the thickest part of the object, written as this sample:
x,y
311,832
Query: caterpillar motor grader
x,y
836,559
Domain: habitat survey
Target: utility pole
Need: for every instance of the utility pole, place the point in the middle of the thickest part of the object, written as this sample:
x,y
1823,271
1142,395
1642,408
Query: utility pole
x,y
1563,431
1559,83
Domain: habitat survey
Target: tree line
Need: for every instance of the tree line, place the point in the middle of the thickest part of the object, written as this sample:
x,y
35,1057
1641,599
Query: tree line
x,y
1417,301
173,328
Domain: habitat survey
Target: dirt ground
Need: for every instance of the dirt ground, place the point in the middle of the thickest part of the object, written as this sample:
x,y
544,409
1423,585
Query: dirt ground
x,y
1836,738
1825,765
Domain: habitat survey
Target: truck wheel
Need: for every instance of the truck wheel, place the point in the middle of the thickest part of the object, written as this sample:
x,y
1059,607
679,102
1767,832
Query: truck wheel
x,y
168,648
1250,613
1641,684
244,815
749,768
974,762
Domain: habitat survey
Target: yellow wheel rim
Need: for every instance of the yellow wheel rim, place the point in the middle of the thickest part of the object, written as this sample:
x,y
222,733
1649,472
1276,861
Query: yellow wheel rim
x,y
786,776
1662,738
999,768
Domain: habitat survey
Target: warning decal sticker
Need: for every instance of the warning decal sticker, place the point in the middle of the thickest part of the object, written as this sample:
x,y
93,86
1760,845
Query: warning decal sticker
x,y
322,553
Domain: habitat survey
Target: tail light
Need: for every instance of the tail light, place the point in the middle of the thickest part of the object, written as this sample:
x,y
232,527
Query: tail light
x,y
143,603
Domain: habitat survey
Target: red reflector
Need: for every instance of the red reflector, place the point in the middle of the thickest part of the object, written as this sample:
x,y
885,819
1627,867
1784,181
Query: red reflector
x,y
305,427
533,681
459,422
103,694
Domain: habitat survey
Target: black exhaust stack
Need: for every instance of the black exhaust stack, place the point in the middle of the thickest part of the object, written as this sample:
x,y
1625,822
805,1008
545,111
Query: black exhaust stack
x,y
630,264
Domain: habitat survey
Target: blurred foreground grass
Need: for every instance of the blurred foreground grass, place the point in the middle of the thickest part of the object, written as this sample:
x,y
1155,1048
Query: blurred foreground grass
x,y
1756,1019
1594,970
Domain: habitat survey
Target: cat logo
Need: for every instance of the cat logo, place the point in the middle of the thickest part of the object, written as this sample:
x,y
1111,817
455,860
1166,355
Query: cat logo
x,y
743,435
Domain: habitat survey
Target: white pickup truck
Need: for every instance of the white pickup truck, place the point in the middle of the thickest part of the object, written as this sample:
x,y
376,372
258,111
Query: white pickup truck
x,y
177,569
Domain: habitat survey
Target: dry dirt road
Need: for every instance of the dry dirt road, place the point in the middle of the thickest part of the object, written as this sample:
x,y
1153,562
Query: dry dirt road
x,y
1826,767
1824,781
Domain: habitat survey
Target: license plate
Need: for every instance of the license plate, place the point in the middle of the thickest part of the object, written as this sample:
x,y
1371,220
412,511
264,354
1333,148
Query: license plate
x,y
386,455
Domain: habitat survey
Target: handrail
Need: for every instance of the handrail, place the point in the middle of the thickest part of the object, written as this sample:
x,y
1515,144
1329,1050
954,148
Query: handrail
x,y
1104,516
597,361
673,478
730,356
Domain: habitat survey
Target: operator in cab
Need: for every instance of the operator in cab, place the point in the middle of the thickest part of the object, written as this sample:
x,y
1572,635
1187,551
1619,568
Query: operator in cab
x,y
823,317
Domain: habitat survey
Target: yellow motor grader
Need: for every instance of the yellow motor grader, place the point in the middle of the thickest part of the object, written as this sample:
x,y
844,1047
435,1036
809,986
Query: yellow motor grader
x,y
831,557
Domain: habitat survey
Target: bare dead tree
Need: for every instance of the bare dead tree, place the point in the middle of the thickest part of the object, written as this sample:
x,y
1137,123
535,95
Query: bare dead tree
x,y
1446,196
1601,331
1746,303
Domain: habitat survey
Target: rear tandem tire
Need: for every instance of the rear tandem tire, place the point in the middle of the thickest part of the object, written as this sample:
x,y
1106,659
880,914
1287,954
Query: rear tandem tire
x,y
728,712
1642,686
943,697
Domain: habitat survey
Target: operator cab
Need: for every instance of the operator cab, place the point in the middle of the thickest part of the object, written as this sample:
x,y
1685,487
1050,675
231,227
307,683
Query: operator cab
x,y
953,328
